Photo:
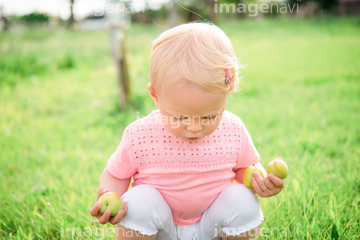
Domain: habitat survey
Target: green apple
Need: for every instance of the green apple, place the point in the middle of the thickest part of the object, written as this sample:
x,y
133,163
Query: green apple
x,y
278,167
110,201
248,175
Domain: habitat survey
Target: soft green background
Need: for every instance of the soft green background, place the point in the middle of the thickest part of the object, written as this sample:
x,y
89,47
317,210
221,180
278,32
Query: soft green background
x,y
60,121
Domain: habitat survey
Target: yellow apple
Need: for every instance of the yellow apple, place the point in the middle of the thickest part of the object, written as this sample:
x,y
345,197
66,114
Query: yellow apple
x,y
248,175
110,201
278,167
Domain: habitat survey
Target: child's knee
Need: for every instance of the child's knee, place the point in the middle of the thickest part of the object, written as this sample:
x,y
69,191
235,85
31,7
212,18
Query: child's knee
x,y
238,193
147,210
142,191
143,198
242,200
236,210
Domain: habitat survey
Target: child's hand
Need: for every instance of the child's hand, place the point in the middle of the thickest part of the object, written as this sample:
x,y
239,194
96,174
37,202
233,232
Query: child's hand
x,y
105,218
267,187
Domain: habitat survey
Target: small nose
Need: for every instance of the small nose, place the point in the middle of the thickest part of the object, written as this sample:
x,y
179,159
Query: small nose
x,y
194,127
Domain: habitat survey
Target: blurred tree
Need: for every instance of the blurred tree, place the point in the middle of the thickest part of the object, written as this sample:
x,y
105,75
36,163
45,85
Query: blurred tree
x,y
35,18
3,20
198,9
118,20
323,4
182,10
151,15
71,18
236,2
173,13
212,15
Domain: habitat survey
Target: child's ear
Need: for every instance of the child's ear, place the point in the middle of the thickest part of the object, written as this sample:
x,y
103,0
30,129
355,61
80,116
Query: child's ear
x,y
153,94
232,87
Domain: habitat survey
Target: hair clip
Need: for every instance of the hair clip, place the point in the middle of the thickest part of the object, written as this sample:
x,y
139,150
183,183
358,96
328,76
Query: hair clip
x,y
227,77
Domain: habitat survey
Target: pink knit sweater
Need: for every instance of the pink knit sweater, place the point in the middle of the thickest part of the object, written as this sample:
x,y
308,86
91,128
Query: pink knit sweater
x,y
189,175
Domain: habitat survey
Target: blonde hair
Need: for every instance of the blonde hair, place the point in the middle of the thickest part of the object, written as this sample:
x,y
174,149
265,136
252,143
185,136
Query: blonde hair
x,y
196,52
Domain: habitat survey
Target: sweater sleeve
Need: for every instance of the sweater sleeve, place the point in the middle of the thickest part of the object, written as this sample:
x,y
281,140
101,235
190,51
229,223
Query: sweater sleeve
x,y
121,163
248,155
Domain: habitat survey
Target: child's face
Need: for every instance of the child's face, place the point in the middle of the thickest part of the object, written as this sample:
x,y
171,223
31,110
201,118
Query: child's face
x,y
188,112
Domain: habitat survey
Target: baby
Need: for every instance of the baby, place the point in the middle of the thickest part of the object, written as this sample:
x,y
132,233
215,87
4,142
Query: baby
x,y
187,159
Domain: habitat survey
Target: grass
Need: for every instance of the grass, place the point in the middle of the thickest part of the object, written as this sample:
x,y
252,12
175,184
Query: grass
x,y
60,122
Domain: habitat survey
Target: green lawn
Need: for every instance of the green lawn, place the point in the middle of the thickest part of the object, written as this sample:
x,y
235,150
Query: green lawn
x,y
60,121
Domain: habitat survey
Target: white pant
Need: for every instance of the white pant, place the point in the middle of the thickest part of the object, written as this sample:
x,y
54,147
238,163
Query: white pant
x,y
236,210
